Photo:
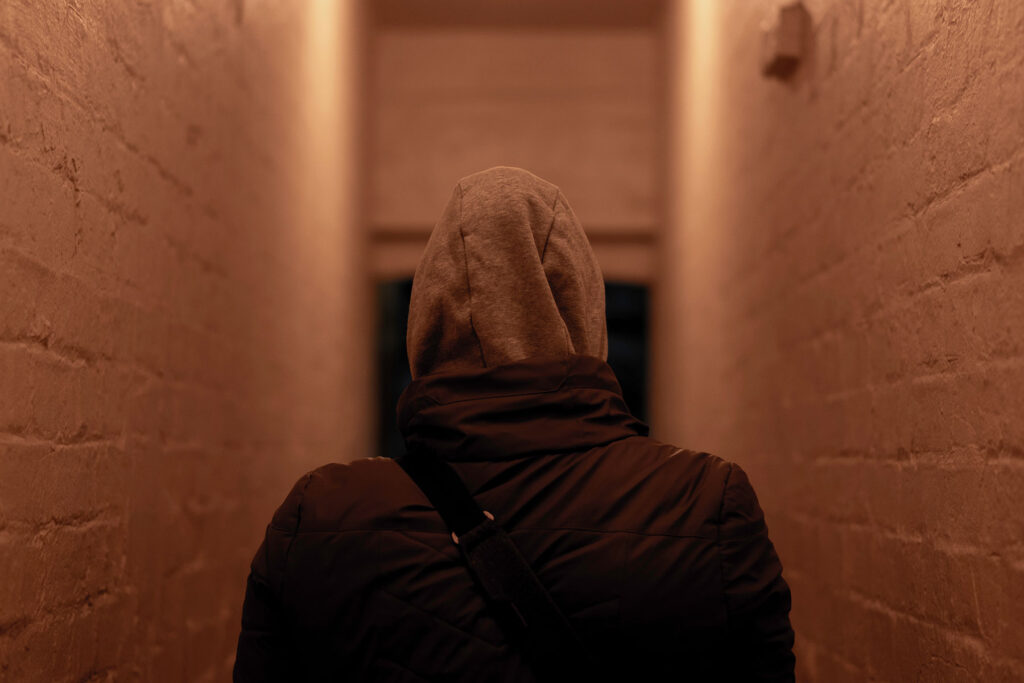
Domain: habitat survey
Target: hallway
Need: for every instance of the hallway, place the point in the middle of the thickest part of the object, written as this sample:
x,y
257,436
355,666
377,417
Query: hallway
x,y
201,203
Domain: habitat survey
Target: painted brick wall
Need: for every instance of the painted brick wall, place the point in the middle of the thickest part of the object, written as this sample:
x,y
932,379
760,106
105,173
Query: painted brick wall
x,y
842,312
179,317
579,106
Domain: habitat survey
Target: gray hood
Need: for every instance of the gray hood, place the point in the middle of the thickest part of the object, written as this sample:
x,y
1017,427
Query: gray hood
x,y
508,274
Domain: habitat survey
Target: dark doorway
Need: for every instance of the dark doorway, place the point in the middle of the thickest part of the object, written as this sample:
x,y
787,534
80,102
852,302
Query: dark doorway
x,y
626,308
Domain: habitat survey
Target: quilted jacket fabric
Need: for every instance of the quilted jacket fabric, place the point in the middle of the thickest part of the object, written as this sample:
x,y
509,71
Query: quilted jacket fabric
x,y
659,557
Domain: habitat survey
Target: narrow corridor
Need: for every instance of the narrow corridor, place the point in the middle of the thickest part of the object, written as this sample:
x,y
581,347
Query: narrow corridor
x,y
205,206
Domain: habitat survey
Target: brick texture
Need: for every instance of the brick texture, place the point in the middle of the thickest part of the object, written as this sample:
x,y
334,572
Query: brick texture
x,y
181,317
842,312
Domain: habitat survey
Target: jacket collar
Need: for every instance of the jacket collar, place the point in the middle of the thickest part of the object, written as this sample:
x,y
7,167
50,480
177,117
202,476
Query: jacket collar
x,y
533,406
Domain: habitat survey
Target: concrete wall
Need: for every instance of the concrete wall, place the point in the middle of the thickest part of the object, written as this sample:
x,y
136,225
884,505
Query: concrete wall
x,y
179,291
841,311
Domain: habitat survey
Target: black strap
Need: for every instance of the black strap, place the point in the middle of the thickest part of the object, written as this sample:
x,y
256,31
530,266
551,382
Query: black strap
x,y
521,604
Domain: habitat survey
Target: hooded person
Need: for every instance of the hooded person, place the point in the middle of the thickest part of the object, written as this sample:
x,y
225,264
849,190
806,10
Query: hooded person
x,y
659,557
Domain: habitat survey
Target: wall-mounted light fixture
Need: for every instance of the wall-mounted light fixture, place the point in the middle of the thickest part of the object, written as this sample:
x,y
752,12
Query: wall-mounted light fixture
x,y
783,40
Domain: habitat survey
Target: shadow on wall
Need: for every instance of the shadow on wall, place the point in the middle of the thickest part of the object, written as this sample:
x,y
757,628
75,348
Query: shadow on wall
x,y
626,309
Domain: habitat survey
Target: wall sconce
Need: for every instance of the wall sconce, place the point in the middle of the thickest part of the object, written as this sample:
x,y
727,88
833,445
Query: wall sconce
x,y
783,40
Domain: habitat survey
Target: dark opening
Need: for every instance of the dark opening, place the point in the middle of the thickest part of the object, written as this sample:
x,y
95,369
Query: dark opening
x,y
625,308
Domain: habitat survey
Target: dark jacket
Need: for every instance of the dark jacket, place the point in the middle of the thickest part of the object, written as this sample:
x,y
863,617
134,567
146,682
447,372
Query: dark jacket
x,y
659,557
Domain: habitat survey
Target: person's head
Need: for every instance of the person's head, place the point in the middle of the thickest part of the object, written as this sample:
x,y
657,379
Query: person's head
x,y
508,274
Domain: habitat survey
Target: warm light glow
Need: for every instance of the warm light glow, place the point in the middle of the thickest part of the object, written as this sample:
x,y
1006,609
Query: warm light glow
x,y
692,242
699,93
321,241
694,109
321,91
324,139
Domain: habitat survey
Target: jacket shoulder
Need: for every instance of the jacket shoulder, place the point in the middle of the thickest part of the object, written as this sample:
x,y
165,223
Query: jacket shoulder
x,y
736,509
337,496
659,488
741,513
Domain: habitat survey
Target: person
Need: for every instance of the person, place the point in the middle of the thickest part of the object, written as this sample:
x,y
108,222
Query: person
x,y
659,557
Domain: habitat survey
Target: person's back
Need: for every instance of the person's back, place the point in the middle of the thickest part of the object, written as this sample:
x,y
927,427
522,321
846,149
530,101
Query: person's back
x,y
659,557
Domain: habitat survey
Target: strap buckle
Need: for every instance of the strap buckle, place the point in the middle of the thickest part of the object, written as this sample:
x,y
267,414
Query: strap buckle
x,y
487,514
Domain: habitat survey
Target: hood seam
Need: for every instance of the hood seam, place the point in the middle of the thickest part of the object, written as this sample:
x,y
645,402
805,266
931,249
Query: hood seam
x,y
469,288
569,346
551,226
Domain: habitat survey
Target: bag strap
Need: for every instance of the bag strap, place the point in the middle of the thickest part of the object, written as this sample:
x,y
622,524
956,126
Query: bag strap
x,y
522,606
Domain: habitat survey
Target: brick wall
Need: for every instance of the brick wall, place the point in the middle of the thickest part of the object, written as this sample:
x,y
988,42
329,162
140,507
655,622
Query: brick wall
x,y
178,301
579,105
842,312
